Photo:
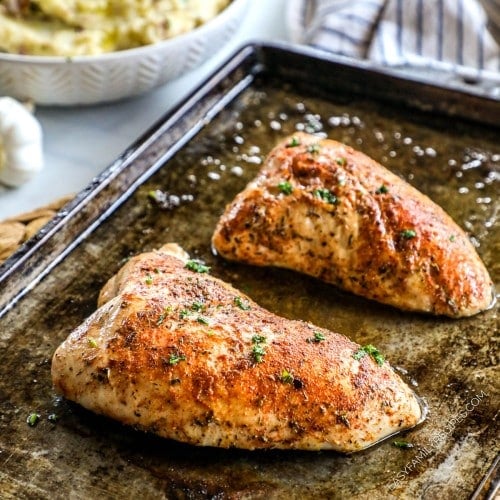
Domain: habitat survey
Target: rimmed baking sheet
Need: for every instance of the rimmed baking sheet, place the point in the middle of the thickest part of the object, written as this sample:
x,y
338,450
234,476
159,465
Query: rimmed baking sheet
x,y
172,185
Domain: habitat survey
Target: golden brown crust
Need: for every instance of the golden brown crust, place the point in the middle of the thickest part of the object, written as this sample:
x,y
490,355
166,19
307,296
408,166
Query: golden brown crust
x,y
189,357
351,222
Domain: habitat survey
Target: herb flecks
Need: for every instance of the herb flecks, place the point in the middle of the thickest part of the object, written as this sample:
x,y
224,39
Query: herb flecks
x,y
286,377
383,189
184,313
154,194
92,342
202,320
163,315
313,149
294,142
369,350
197,306
326,195
33,419
408,234
258,352
258,339
285,187
176,358
258,349
318,337
402,444
242,304
197,266
149,279
341,161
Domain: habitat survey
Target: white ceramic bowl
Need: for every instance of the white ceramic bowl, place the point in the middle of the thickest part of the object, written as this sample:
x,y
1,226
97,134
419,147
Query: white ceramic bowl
x,y
108,77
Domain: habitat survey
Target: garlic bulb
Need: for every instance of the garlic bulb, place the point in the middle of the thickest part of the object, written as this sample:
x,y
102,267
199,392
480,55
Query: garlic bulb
x,y
21,150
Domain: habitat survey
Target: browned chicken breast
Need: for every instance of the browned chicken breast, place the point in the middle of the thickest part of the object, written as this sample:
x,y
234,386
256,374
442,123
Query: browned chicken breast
x,y
177,352
322,208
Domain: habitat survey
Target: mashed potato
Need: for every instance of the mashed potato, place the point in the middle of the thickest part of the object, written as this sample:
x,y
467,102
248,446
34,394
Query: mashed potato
x,y
86,27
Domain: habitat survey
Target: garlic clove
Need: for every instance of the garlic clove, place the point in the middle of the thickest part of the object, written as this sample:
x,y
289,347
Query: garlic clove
x,y
21,143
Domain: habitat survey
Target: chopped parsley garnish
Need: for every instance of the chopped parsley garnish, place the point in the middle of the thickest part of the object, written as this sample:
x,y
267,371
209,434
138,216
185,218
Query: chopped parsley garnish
x,y
197,306
33,419
149,279
154,194
372,351
163,315
313,148
402,444
326,195
92,342
258,352
286,377
294,142
202,320
318,337
258,339
184,313
383,189
241,304
408,234
197,266
285,187
258,349
176,358
452,237
341,161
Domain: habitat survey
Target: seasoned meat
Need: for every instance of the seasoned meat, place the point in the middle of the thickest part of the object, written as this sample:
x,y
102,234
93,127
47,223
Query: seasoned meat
x,y
319,207
177,352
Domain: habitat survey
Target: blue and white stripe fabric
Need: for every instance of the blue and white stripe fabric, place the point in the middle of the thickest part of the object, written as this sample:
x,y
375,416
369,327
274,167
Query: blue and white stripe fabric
x,y
454,36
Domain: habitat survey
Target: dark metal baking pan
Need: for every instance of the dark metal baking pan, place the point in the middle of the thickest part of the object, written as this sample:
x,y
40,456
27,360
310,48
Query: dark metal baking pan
x,y
172,185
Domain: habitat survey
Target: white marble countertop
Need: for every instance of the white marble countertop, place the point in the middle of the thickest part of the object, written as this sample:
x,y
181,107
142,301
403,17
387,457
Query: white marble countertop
x,y
80,142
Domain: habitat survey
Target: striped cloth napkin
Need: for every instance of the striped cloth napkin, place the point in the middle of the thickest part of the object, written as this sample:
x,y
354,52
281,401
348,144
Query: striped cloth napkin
x,y
458,39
